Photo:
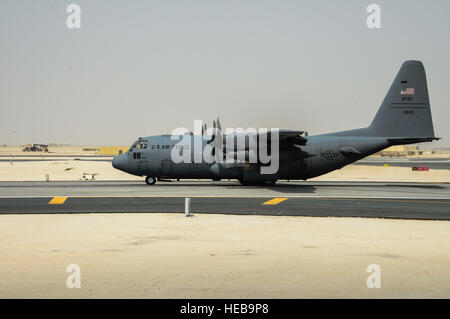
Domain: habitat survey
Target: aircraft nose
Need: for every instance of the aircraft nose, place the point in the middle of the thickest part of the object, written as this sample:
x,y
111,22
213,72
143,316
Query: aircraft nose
x,y
117,162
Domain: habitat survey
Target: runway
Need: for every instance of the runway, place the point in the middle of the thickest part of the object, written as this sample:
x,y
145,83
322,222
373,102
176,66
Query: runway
x,y
343,199
431,163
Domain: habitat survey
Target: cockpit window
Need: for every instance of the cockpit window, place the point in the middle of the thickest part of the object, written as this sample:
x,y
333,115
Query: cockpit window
x,y
139,145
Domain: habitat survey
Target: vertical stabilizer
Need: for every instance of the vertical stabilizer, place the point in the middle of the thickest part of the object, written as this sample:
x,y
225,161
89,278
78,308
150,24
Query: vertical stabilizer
x,y
405,111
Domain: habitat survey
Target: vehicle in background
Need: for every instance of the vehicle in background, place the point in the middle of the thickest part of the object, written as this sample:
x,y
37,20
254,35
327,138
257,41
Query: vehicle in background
x,y
36,148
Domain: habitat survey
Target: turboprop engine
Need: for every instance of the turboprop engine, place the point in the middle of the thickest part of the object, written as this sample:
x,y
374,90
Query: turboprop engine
x,y
226,170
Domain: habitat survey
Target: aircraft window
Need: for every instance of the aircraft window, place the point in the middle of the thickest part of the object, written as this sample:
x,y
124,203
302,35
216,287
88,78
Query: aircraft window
x,y
136,155
140,145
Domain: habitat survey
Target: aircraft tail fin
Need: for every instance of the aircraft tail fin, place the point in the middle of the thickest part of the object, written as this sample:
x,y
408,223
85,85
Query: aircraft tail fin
x,y
405,112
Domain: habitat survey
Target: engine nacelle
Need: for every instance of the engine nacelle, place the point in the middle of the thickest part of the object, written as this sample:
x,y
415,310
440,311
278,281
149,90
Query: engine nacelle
x,y
245,155
226,170
252,175
247,173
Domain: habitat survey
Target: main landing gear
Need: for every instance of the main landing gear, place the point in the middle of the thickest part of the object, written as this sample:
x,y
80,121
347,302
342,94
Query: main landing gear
x,y
150,180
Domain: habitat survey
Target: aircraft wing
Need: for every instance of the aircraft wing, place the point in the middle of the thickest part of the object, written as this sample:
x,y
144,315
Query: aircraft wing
x,y
289,141
292,141
290,137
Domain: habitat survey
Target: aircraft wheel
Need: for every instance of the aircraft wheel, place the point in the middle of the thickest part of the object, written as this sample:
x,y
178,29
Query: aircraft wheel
x,y
150,180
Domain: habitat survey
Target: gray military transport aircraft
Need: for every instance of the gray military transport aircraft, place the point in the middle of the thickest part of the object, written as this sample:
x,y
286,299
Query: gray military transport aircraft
x,y
404,117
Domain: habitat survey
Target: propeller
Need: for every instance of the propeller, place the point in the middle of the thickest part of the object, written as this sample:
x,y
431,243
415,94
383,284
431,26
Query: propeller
x,y
217,132
218,124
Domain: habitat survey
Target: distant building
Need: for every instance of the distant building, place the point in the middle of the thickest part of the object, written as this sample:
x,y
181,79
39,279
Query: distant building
x,y
112,150
403,150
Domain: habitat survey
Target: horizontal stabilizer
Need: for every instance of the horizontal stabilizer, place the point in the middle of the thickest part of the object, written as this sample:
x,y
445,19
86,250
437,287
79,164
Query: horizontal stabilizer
x,y
411,140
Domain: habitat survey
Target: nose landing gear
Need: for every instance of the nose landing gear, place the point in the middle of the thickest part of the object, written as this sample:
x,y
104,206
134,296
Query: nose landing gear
x,y
150,180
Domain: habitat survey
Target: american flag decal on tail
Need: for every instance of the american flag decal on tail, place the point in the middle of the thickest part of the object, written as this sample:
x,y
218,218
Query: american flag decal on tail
x,y
407,91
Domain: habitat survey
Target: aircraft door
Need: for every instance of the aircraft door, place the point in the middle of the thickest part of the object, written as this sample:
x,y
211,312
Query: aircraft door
x,y
141,160
143,165
166,167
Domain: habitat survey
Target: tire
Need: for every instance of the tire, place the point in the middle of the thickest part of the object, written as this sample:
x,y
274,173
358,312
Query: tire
x,y
150,180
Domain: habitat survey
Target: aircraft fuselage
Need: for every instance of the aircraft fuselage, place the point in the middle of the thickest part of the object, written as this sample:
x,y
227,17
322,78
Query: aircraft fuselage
x,y
325,154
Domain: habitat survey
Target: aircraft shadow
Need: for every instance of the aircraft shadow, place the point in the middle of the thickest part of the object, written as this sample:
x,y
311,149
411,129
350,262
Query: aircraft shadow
x,y
282,188
278,188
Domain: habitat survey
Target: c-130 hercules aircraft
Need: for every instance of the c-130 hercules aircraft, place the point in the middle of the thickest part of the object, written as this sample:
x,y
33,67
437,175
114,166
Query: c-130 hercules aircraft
x,y
404,117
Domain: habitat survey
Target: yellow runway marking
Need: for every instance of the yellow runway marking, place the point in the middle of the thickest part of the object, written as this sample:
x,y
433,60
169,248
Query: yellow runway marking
x,y
275,201
57,200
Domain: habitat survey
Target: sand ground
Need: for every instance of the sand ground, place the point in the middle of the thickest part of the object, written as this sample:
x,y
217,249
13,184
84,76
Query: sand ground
x,y
73,170
221,256
17,150
70,169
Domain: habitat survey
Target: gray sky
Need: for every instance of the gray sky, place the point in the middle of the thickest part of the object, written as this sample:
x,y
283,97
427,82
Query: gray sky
x,y
139,68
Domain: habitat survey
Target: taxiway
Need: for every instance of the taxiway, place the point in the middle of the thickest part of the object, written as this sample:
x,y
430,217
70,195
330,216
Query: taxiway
x,y
342,199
